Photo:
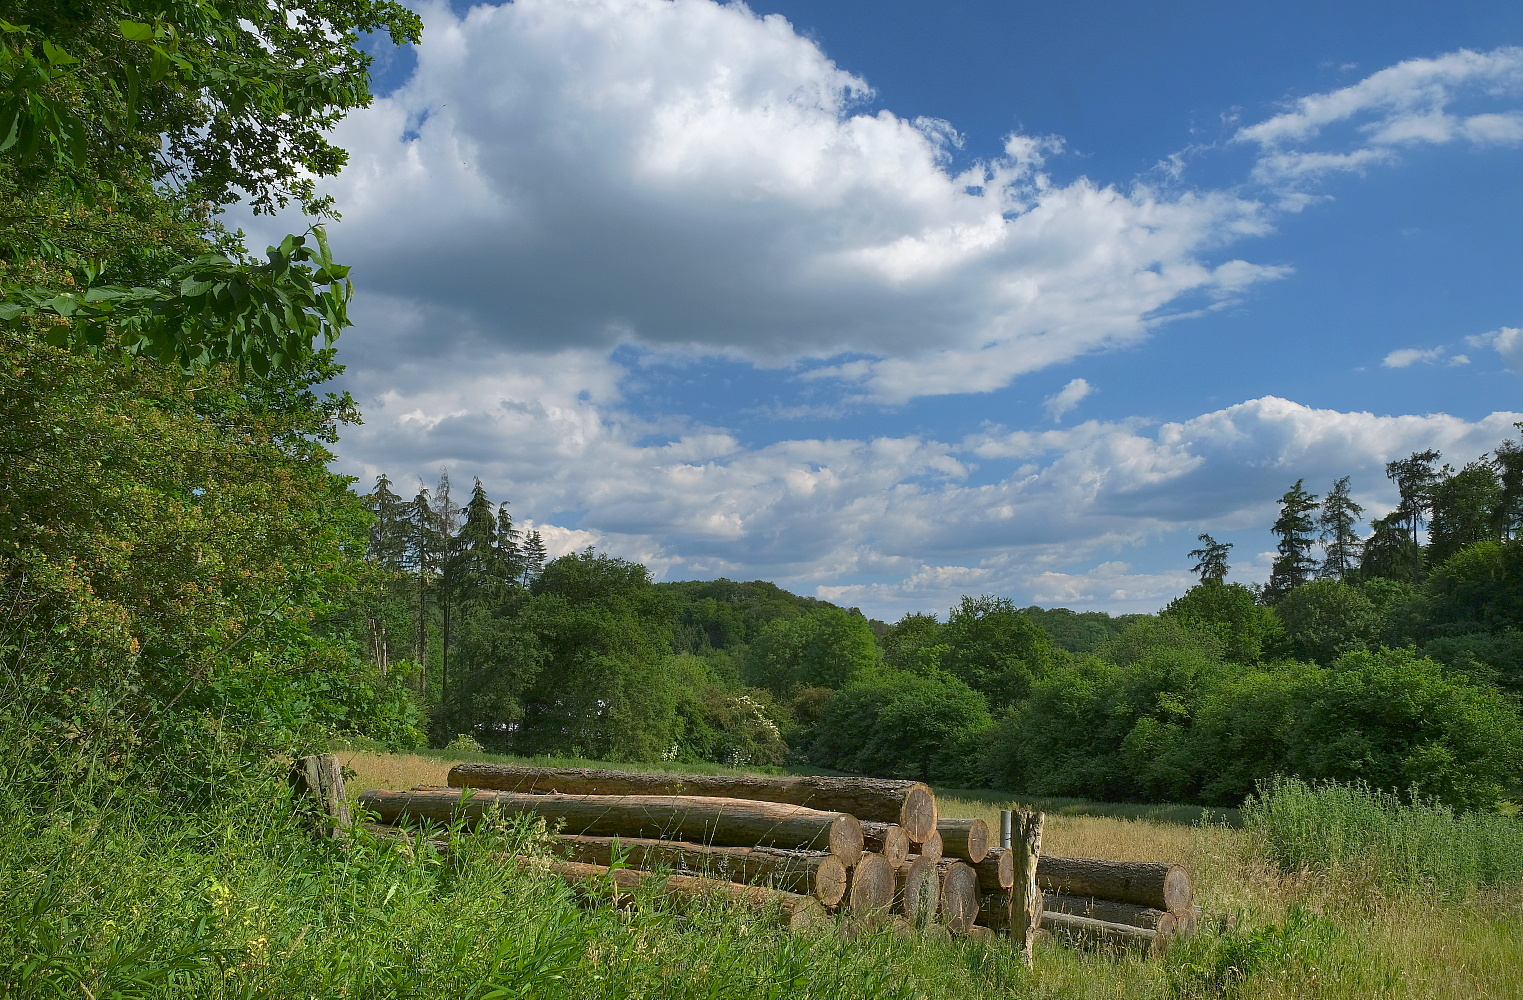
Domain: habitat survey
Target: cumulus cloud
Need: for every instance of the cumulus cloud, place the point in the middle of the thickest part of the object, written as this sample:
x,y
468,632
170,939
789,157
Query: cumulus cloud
x,y
1418,101
1507,341
697,178
1408,356
1066,398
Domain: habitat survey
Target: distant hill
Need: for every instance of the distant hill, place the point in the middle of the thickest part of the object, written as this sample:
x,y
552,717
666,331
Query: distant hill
x,y
1078,631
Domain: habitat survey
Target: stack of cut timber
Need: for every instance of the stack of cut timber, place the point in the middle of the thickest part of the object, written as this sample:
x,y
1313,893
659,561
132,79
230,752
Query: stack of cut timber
x,y
764,841
1118,903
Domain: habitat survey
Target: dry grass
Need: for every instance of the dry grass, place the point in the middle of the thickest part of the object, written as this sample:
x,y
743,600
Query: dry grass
x,y
398,771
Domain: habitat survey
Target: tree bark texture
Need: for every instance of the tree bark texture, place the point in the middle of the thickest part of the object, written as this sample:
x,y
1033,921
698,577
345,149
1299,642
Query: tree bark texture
x,y
997,871
959,894
793,911
871,893
1085,930
917,890
1025,897
967,839
1145,883
1111,911
722,821
910,804
887,839
317,791
815,873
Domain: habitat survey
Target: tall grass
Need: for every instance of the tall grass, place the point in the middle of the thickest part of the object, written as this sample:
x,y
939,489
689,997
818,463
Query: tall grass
x,y
1399,845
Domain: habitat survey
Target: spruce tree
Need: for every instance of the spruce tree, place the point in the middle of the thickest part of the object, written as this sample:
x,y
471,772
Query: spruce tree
x,y
424,554
1211,559
1508,462
389,532
1463,510
1415,478
1389,552
1340,542
509,551
534,557
1294,564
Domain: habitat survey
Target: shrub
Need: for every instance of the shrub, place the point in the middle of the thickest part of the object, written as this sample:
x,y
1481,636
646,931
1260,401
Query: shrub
x,y
895,723
1325,619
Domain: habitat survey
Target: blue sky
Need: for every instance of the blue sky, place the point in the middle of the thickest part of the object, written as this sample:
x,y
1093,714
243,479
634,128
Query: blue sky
x,y
891,302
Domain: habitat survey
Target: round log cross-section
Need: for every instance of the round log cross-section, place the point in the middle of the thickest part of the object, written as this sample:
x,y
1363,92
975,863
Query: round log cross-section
x,y
917,888
887,839
871,894
959,895
967,839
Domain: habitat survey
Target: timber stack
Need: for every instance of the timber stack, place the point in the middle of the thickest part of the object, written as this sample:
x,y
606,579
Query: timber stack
x,y
874,851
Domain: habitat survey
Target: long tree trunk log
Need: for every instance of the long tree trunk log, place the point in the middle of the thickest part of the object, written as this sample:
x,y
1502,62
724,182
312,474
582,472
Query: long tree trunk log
x,y
815,873
793,911
931,846
959,894
967,839
1145,883
887,839
911,804
1111,911
726,822
917,890
1087,931
1025,898
317,790
997,871
870,896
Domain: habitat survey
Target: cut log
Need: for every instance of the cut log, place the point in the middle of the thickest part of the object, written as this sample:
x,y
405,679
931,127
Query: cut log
x,y
317,791
931,846
1084,930
911,804
997,871
1025,897
967,839
815,873
793,911
1109,910
726,822
917,890
959,895
887,839
870,895
1187,922
1145,883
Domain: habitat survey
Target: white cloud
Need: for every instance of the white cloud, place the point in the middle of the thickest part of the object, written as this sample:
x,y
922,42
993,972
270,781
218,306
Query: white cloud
x,y
1066,398
1408,356
1507,341
1413,102
697,178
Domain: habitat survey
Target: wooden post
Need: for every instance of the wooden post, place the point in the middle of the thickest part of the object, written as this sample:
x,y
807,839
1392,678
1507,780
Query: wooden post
x,y
1025,897
317,791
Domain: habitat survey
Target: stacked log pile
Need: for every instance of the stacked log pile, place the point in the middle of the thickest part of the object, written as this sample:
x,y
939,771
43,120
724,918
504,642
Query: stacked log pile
x,y
874,851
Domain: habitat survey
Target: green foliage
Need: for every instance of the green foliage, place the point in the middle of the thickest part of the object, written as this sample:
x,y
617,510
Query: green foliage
x,y
995,649
1479,588
1245,628
825,648
724,614
1293,565
896,723
1078,631
1399,844
1325,619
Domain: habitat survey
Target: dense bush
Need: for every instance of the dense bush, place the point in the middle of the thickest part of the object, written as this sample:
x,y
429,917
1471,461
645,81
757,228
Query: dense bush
x,y
1325,619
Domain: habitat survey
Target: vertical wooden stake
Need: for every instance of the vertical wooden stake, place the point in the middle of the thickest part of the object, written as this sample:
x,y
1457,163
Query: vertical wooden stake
x,y
317,790
1025,897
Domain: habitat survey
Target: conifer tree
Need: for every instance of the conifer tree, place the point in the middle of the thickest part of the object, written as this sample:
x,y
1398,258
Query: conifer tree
x,y
1463,510
1211,559
509,551
1340,542
1389,552
390,531
534,557
1294,564
1508,462
424,553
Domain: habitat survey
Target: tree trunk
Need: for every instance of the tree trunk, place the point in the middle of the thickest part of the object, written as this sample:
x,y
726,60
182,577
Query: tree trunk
x,y
317,791
997,871
917,890
887,839
792,911
931,846
1111,911
959,895
1145,883
910,804
1025,898
1088,931
815,873
871,894
727,822
967,839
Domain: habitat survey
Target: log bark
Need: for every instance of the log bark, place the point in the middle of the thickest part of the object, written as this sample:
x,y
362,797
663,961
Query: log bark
x,y
997,871
931,846
917,890
1144,883
910,804
967,839
1084,930
1025,897
317,790
814,873
959,894
887,839
870,895
1109,910
791,910
726,822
